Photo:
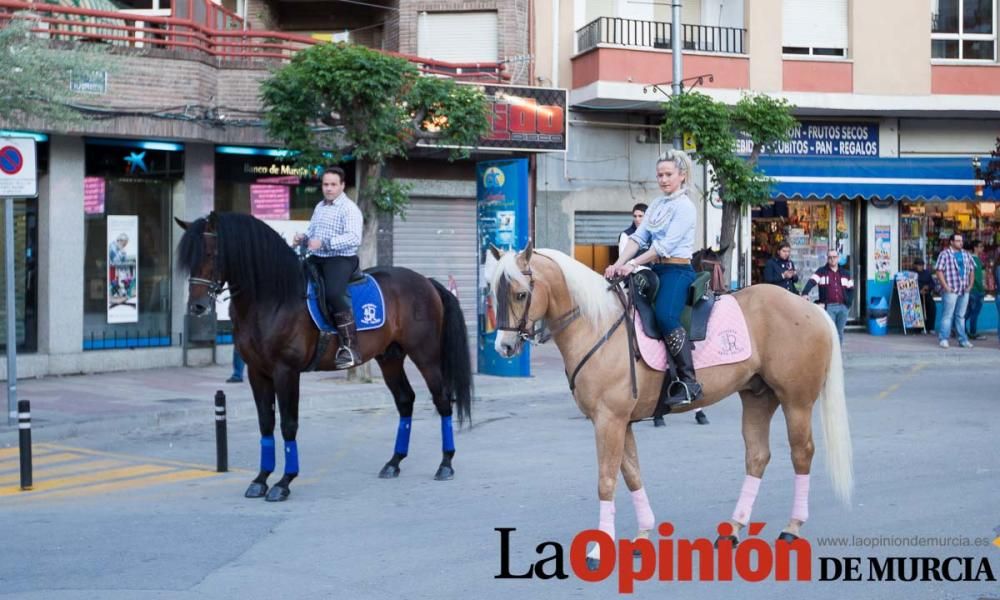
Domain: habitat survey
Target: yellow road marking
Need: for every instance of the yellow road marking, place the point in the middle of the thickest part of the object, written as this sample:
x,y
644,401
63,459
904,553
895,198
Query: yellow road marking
x,y
14,453
118,486
135,458
46,459
913,371
100,476
43,474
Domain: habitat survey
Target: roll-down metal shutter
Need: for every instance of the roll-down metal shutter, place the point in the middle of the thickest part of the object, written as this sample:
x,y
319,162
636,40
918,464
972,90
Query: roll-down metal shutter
x,y
601,228
438,239
461,37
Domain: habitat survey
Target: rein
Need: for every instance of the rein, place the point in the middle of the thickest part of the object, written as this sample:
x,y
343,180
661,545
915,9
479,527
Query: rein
x,y
629,329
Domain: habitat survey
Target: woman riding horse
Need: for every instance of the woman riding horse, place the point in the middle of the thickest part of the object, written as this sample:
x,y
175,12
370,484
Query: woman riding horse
x,y
668,231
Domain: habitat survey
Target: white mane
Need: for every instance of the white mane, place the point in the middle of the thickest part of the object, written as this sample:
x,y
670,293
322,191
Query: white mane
x,y
588,289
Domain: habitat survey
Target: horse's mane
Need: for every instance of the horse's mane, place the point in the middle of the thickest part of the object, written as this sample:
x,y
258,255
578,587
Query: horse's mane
x,y
255,258
588,289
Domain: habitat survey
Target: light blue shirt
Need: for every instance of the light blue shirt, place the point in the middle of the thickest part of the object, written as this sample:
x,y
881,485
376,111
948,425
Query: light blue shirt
x,y
669,226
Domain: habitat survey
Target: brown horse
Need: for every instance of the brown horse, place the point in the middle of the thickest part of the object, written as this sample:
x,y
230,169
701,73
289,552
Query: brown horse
x,y
795,360
278,340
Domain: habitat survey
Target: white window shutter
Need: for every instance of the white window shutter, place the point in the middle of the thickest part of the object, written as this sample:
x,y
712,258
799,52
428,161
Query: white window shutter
x,y
459,37
814,23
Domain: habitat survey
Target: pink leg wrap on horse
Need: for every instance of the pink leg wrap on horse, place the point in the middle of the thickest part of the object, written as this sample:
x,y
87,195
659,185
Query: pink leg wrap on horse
x,y
643,512
748,493
607,522
800,509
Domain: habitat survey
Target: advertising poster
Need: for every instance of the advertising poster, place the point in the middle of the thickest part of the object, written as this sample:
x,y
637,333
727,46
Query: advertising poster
x,y
883,252
910,307
502,194
269,201
123,269
94,190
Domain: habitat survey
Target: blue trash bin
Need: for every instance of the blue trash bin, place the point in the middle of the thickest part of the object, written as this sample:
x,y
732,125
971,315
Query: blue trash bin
x,y
878,315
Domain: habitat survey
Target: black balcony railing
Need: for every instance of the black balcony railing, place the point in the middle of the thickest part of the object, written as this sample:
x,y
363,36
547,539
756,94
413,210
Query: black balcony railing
x,y
614,31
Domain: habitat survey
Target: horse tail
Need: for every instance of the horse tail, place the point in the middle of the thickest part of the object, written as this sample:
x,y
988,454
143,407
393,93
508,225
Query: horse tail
x,y
456,365
833,414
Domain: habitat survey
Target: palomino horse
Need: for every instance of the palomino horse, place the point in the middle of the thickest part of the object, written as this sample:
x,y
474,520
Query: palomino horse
x,y
278,340
795,360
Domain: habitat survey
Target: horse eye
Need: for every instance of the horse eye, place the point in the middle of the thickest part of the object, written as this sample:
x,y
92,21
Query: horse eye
x,y
522,296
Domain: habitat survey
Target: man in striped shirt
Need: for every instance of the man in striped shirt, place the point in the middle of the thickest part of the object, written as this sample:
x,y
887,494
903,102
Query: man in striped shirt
x,y
334,236
955,273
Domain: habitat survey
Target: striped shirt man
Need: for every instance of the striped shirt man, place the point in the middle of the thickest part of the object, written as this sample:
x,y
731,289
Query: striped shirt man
x,y
955,267
338,225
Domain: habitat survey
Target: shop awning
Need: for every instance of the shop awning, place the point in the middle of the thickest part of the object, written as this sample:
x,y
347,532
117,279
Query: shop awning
x,y
924,178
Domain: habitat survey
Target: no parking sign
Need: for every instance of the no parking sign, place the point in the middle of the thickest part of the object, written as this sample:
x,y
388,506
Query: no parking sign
x,y
18,170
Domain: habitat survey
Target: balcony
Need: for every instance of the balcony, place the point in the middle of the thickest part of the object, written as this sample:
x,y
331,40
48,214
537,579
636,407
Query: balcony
x,y
630,33
618,58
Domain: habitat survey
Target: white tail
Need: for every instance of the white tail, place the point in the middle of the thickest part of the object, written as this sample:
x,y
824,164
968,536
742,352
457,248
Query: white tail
x,y
836,430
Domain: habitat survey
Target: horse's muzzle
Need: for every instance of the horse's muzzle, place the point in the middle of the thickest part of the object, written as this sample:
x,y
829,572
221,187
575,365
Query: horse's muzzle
x,y
198,308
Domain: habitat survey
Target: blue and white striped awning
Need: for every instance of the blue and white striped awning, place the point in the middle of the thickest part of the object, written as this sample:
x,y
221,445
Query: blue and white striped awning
x,y
924,178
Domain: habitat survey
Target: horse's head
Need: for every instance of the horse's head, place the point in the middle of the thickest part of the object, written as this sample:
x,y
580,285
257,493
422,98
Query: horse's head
x,y
521,300
198,253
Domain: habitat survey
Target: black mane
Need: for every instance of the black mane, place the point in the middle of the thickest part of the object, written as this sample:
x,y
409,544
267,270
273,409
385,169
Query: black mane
x,y
253,258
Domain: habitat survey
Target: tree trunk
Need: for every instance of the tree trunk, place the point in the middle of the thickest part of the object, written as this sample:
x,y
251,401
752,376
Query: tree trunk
x,y
727,238
367,172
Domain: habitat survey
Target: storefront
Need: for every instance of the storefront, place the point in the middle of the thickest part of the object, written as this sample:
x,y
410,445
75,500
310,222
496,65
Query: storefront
x,y
128,195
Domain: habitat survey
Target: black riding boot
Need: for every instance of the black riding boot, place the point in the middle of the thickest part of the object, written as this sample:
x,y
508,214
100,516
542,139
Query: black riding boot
x,y
684,389
347,354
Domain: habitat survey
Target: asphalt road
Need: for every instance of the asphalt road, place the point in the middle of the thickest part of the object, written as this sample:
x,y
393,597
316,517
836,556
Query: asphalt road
x,y
165,526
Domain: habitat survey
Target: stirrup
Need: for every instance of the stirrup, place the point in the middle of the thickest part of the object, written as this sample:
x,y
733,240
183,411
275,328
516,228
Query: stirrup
x,y
689,396
351,361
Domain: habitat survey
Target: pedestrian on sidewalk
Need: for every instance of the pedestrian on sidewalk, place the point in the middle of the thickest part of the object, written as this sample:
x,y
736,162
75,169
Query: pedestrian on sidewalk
x,y
978,292
955,274
238,365
780,270
925,281
835,290
996,292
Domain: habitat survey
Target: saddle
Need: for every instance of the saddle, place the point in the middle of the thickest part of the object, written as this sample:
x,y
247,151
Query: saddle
x,y
318,284
697,307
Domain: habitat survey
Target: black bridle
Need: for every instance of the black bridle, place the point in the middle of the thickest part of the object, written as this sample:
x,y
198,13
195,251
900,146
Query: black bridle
x,y
539,333
215,285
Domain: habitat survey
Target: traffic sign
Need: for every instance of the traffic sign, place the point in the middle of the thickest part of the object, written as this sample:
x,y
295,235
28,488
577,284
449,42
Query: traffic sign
x,y
18,168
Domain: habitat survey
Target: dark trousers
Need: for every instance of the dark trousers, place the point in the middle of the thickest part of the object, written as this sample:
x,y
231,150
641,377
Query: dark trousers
x,y
972,313
930,310
337,271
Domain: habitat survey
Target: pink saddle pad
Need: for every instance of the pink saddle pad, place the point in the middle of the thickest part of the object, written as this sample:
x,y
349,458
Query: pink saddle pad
x,y
727,341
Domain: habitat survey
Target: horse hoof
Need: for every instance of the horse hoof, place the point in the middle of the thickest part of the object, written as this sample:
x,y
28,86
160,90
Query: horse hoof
x,y
658,422
732,539
444,473
278,494
787,537
256,490
593,563
389,472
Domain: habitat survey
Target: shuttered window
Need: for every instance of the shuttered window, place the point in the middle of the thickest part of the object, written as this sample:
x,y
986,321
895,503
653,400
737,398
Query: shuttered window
x,y
600,228
815,27
459,37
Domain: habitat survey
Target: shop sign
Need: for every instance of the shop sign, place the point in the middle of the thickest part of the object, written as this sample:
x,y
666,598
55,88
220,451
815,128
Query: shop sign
x,y
528,119
821,138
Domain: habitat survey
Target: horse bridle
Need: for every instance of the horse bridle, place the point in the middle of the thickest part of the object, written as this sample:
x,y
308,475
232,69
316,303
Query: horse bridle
x,y
215,286
537,334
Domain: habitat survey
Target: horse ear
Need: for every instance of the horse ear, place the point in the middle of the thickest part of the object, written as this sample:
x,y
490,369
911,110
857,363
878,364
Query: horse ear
x,y
528,250
182,224
722,250
496,252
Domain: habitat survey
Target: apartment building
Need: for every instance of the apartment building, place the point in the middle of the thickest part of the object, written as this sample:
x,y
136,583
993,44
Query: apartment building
x,y
174,130
896,99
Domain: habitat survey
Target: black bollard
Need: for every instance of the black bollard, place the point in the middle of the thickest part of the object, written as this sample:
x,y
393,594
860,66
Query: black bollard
x,y
24,441
221,443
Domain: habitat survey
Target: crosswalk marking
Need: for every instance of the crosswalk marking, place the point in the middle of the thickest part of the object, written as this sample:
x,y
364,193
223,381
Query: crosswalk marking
x,y
59,471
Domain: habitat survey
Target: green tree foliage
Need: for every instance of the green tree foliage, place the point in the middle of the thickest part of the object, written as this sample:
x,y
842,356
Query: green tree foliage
x,y
35,74
764,119
338,100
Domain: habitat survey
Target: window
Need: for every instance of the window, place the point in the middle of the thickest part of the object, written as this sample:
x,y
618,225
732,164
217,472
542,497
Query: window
x,y
460,37
814,28
963,29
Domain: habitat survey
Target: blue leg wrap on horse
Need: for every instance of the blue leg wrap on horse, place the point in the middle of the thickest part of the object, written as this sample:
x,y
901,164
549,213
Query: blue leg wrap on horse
x,y
403,436
291,458
267,453
447,436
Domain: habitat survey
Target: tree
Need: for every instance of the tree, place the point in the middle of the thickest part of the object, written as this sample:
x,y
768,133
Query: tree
x,y
714,125
334,101
35,76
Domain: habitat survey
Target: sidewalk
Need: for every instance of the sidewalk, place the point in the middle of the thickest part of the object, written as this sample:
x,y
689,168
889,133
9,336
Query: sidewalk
x,y
124,401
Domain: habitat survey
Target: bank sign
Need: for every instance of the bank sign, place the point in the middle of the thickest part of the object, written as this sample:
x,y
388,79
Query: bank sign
x,y
822,138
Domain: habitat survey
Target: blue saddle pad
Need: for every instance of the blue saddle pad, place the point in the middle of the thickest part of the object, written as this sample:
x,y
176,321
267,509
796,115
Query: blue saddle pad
x,y
366,298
